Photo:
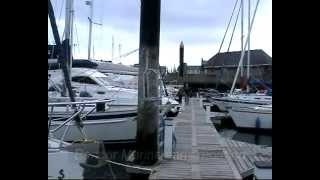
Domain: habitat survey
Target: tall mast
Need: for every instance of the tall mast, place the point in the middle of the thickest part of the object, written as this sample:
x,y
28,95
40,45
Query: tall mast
x,y
248,63
90,4
69,30
241,74
249,20
242,53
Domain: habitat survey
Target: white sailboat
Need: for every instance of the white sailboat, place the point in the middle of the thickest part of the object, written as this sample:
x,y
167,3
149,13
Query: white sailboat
x,y
71,161
116,125
79,159
230,101
242,100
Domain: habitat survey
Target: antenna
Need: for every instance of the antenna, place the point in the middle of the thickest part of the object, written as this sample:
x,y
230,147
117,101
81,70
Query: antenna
x,y
119,51
242,11
112,51
90,4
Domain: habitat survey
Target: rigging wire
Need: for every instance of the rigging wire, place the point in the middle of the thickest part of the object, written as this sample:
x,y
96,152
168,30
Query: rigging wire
x,y
77,38
245,45
228,25
59,19
234,27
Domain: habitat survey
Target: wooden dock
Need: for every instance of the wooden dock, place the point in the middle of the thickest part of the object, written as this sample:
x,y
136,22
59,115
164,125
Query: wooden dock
x,y
200,151
244,155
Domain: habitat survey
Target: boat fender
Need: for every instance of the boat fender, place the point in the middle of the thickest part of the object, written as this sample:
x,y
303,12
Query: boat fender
x,y
258,123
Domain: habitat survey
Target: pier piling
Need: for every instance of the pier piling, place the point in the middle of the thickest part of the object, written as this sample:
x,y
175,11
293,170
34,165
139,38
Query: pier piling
x,y
148,83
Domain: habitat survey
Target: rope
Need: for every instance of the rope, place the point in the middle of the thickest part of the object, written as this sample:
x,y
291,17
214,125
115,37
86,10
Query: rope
x,y
124,165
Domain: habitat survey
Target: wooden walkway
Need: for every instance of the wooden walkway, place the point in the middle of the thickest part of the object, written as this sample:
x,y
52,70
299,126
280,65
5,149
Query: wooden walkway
x,y
244,155
200,151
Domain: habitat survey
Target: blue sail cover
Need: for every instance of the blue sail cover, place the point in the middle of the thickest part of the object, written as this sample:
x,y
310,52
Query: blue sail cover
x,y
258,83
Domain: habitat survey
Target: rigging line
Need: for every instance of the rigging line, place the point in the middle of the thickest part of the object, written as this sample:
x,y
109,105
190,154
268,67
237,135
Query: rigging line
x,y
245,45
55,8
77,38
234,28
60,14
228,25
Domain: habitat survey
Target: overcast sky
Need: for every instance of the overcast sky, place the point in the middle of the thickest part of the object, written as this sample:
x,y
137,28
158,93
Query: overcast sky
x,y
200,24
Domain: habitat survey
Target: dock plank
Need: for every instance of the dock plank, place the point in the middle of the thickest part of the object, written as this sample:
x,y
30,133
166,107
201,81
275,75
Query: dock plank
x,y
199,152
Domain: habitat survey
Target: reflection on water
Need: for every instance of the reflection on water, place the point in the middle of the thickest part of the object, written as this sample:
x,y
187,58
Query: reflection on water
x,y
227,129
256,137
259,139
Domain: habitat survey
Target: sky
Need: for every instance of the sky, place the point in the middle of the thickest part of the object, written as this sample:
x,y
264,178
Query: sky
x,y
200,24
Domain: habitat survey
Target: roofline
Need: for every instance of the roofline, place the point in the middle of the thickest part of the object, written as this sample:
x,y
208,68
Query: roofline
x,y
229,66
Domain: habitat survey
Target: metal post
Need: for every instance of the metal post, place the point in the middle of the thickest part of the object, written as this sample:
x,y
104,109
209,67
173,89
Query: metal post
x,y
148,84
68,37
183,104
248,63
120,52
168,141
241,70
181,69
71,34
208,114
90,3
112,50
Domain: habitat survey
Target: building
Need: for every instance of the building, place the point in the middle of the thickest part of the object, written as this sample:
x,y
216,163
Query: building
x,y
194,69
220,69
224,66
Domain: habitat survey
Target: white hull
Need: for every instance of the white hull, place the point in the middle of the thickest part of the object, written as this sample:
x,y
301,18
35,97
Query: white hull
x,y
252,118
64,164
116,129
238,105
226,103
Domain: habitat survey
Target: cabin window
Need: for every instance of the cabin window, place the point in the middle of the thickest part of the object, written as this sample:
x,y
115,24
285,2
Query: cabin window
x,y
83,80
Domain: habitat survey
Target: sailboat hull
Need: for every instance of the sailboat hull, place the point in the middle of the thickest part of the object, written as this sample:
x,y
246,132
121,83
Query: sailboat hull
x,y
226,103
252,118
115,128
65,165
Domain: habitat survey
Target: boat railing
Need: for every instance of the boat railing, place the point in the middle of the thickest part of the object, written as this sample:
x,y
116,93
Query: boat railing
x,y
78,115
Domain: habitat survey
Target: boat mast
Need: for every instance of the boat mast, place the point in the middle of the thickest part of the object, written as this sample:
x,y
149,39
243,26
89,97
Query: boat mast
x,y
120,52
68,31
112,50
90,4
241,74
242,53
248,63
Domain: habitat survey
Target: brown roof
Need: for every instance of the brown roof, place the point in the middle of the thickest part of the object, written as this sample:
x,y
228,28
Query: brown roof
x,y
257,57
